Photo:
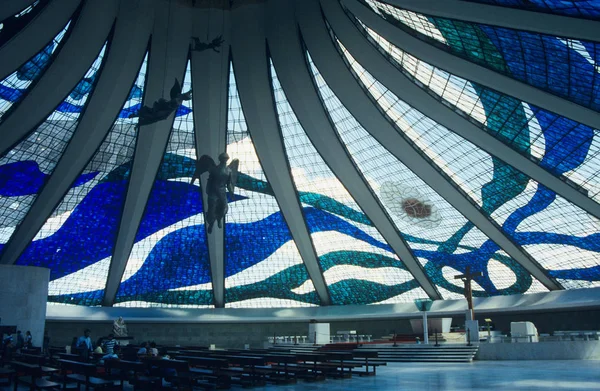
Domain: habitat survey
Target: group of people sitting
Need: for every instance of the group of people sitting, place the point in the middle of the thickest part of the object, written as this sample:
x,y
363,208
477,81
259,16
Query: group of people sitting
x,y
109,346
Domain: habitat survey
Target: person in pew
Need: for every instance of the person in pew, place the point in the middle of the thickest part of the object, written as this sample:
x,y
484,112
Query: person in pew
x,y
84,345
153,349
46,344
20,342
110,343
74,345
168,372
113,355
144,350
28,340
9,348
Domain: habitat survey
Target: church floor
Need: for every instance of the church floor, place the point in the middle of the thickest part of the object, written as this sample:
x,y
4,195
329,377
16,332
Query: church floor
x,y
479,375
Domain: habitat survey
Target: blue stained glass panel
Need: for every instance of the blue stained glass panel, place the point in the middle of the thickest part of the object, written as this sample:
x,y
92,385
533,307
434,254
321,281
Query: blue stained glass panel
x,y
439,235
353,268
589,9
555,64
168,265
562,146
76,243
25,169
555,233
15,86
263,267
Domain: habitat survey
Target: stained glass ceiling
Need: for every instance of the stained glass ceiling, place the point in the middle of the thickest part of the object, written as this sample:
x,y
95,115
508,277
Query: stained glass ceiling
x,y
259,258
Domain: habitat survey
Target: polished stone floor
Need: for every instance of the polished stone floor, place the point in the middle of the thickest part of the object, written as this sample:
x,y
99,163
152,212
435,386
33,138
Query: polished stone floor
x,y
479,375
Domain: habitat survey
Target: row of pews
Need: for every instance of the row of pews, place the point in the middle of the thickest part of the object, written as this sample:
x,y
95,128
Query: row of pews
x,y
189,368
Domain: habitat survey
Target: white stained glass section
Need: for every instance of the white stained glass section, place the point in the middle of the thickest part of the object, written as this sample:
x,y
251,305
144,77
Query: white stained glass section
x,y
333,228
270,273
430,217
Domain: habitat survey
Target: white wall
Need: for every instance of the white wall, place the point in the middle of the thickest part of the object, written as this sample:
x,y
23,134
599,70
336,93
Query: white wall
x,y
558,350
23,297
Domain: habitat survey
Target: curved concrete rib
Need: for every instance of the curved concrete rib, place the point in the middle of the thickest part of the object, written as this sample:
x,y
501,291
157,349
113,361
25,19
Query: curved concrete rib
x,y
347,89
296,81
210,74
512,18
252,77
67,69
471,71
167,61
9,8
128,47
29,41
370,58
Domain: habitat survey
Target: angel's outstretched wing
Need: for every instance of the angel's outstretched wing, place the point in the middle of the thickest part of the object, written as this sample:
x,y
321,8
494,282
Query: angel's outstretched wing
x,y
197,43
203,164
233,166
175,90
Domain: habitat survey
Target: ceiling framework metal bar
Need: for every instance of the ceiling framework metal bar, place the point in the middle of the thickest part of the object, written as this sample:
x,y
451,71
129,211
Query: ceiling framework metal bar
x,y
347,89
290,63
129,45
259,109
512,18
69,66
369,57
210,71
27,42
167,61
471,71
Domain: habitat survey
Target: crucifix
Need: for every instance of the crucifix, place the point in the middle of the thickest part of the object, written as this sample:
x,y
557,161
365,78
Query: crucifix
x,y
466,279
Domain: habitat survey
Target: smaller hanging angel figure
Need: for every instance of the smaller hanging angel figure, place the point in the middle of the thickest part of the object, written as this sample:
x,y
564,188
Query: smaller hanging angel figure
x,y
215,44
162,108
221,177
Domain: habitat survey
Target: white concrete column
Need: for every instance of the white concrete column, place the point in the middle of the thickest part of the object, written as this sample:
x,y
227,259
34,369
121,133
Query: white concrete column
x,y
23,298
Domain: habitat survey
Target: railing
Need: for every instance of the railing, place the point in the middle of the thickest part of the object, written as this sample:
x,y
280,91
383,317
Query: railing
x,y
557,336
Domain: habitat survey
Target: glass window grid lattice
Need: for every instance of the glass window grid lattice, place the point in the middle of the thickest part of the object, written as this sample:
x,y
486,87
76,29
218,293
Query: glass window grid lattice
x,y
78,239
359,266
26,168
565,67
169,264
523,208
16,86
263,266
589,9
571,150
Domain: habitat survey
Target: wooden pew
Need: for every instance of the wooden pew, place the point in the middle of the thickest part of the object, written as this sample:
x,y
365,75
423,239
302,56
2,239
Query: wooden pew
x,y
132,371
6,375
363,356
83,373
32,375
178,373
247,374
209,369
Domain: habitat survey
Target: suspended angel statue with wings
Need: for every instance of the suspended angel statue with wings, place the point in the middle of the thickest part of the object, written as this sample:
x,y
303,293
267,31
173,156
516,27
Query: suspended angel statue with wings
x,y
162,108
221,177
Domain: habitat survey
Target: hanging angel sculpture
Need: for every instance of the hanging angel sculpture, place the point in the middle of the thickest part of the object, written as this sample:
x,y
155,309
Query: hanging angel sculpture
x,y
162,108
221,177
215,44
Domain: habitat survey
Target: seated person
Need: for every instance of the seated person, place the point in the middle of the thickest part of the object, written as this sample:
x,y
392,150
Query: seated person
x,y
144,350
110,343
153,349
113,355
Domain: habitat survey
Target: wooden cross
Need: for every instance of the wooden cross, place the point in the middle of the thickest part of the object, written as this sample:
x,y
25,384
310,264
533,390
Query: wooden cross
x,y
466,279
